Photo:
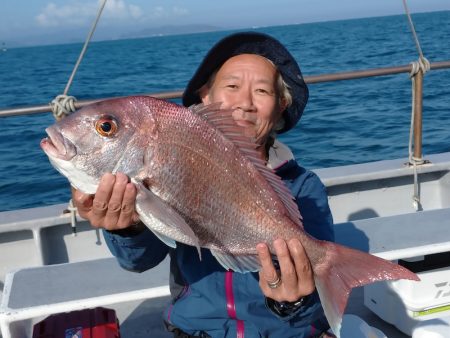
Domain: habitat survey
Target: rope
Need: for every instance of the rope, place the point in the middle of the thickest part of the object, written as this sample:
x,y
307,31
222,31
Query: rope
x,y
63,104
411,25
414,161
421,65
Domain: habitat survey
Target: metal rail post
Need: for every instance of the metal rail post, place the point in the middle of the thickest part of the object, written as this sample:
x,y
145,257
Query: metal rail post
x,y
418,104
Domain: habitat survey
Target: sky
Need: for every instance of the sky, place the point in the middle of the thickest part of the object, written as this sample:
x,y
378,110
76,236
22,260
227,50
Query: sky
x,y
31,22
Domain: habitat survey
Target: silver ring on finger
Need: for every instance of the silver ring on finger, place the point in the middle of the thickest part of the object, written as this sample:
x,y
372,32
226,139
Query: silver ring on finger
x,y
276,283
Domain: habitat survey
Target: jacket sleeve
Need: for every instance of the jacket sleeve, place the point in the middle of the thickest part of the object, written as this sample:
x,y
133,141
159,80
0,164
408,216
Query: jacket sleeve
x,y
309,314
312,201
138,252
311,197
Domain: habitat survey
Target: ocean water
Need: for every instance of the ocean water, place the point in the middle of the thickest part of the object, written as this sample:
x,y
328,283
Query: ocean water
x,y
345,122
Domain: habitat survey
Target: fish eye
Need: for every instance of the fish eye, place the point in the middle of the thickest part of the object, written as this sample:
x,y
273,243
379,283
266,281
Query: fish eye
x,y
106,126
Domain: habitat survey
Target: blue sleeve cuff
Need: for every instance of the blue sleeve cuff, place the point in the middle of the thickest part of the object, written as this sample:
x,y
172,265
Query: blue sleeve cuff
x,y
136,253
302,312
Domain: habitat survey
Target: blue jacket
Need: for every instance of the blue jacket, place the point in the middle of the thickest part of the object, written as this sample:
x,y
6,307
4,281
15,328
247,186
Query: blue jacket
x,y
207,298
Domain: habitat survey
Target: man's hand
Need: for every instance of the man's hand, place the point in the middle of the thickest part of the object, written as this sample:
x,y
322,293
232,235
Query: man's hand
x,y
112,206
295,275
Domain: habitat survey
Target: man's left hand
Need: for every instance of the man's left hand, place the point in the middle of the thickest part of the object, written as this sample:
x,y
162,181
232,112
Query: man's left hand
x,y
294,279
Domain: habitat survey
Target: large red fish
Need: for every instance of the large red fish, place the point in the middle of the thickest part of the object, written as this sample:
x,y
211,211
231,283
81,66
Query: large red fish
x,y
201,182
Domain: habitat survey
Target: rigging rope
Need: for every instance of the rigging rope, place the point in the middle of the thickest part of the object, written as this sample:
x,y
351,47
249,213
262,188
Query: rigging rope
x,y
63,104
421,65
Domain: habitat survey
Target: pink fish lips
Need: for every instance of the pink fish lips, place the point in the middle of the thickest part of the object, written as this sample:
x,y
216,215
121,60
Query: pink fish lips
x,y
57,146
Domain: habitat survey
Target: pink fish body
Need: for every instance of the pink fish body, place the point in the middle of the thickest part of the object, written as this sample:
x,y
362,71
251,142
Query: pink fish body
x,y
201,182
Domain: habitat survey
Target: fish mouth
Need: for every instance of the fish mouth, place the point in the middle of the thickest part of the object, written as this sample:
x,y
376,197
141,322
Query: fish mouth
x,y
57,146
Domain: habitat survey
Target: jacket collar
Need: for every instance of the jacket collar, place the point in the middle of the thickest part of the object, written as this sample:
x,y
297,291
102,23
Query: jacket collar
x,y
279,155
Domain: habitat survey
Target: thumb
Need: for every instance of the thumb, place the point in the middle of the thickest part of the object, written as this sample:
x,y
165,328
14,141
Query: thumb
x,y
81,200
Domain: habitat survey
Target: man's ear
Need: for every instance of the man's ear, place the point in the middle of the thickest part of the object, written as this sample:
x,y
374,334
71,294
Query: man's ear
x,y
283,104
204,94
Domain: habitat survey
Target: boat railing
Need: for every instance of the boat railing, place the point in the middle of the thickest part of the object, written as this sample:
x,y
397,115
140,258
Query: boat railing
x,y
313,79
417,82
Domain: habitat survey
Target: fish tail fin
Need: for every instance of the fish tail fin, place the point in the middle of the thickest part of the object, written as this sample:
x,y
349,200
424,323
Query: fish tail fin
x,y
343,269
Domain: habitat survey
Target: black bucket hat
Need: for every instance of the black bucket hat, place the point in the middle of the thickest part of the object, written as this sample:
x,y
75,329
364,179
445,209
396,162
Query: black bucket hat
x,y
260,44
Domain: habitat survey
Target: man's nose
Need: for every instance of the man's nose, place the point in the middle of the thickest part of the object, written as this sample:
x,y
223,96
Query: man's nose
x,y
244,101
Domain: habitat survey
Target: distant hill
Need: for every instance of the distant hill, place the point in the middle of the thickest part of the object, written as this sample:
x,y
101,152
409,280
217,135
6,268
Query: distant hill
x,y
171,30
64,36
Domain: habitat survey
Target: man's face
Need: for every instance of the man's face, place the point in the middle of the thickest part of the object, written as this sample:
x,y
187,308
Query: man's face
x,y
246,83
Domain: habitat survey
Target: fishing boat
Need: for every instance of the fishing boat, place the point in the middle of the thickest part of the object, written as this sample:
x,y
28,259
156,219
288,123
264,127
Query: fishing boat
x,y
53,261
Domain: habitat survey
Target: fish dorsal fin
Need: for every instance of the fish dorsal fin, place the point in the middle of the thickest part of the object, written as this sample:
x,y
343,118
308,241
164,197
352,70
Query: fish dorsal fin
x,y
223,121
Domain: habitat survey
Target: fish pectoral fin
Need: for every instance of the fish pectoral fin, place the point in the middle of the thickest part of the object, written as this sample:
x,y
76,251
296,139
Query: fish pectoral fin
x,y
243,263
165,222
166,240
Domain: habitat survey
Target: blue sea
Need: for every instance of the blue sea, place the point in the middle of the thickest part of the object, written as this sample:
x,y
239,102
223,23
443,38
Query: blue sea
x,y
345,122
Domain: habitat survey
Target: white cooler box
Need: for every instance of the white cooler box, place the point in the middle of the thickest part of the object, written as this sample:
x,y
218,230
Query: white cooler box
x,y
404,303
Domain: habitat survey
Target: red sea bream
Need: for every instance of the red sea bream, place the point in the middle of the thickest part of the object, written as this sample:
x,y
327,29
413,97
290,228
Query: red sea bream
x,y
201,182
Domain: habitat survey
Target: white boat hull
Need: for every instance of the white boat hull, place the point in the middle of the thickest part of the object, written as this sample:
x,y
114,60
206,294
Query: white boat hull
x,y
362,198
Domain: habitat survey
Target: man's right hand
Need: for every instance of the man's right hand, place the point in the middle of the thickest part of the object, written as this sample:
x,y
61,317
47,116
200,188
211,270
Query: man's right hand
x,y
112,206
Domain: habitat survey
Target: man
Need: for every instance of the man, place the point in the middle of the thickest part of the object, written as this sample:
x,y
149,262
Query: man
x,y
254,75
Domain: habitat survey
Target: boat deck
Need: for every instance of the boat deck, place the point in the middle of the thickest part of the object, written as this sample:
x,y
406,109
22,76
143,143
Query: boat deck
x,y
138,299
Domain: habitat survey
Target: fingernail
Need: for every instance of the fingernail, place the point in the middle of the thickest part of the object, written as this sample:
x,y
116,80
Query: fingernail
x,y
278,241
122,178
260,247
107,177
294,241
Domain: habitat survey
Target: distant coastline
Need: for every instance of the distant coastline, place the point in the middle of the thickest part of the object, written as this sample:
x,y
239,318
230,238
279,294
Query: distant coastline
x,y
69,36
